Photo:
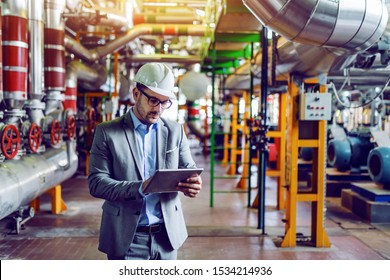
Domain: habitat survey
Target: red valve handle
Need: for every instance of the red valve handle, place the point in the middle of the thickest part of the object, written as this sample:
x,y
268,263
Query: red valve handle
x,y
10,141
55,132
71,127
34,137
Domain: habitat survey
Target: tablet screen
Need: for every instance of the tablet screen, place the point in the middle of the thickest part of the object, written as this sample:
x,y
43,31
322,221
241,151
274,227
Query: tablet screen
x,y
166,180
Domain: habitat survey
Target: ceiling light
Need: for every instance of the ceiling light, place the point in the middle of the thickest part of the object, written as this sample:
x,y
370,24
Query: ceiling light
x,y
200,12
160,4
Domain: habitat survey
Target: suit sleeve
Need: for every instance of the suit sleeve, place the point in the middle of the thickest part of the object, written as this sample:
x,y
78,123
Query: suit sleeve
x,y
101,179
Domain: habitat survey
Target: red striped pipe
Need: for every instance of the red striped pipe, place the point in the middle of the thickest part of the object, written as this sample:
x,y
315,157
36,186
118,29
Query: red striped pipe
x,y
15,57
54,53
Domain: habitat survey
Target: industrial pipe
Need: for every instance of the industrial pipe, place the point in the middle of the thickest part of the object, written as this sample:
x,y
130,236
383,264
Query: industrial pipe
x,y
54,46
349,24
29,177
148,29
15,45
318,36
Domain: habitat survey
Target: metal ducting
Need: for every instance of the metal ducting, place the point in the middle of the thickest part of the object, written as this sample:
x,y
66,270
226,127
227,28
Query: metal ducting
x,y
148,29
318,36
348,24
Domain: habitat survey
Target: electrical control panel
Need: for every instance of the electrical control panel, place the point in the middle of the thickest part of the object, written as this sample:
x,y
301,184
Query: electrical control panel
x,y
315,106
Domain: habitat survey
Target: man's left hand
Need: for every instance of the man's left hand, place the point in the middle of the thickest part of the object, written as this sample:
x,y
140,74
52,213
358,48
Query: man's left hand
x,y
191,187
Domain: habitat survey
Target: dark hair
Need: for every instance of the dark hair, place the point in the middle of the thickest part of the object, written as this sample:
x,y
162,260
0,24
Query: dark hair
x,y
140,86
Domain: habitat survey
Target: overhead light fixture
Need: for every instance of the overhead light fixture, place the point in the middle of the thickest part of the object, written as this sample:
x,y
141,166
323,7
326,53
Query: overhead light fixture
x,y
200,12
162,4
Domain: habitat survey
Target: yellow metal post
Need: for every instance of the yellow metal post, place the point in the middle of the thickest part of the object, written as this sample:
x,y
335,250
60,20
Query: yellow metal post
x,y
234,141
317,195
243,182
281,160
292,167
57,203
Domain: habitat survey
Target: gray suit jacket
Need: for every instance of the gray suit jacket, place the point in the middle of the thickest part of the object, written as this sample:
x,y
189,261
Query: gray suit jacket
x,y
116,174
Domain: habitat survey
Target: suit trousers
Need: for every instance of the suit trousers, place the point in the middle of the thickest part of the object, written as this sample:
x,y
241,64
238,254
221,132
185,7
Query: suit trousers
x,y
149,246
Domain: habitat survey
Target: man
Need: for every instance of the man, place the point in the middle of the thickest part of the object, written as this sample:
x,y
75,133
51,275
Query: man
x,y
125,153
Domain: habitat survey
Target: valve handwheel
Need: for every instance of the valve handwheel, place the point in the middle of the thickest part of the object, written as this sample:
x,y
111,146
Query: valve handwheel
x,y
34,137
10,141
71,127
55,132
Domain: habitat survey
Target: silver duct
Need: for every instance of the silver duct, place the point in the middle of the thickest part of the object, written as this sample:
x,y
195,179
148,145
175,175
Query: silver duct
x,y
147,29
93,78
77,49
314,55
29,177
348,24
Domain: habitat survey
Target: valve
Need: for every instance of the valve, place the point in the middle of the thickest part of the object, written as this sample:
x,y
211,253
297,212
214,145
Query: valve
x,y
55,132
10,141
71,127
34,137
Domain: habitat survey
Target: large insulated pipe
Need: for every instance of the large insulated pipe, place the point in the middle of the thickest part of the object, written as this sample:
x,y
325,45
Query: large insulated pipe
x,y
142,29
29,177
148,29
54,46
77,71
303,48
348,24
16,47
162,18
378,164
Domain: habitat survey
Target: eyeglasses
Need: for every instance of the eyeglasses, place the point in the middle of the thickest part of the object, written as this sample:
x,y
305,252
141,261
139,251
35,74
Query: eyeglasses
x,y
153,101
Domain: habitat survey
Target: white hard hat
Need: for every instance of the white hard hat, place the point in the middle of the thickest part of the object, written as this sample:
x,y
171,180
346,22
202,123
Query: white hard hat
x,y
158,77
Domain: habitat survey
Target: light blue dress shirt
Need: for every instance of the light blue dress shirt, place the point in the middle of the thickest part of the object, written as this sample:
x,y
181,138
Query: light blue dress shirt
x,y
147,142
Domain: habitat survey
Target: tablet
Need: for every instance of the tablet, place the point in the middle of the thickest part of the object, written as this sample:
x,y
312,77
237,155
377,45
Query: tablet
x,y
165,180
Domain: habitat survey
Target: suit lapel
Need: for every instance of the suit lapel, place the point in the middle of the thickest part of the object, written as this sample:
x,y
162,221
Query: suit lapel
x,y
162,136
129,130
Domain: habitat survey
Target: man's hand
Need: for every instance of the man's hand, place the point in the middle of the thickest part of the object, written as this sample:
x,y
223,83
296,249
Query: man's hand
x,y
191,187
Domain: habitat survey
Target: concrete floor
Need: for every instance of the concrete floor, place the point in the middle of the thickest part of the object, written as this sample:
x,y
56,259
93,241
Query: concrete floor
x,y
228,231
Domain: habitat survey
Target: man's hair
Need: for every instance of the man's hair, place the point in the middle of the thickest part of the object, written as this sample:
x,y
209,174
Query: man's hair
x,y
140,86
